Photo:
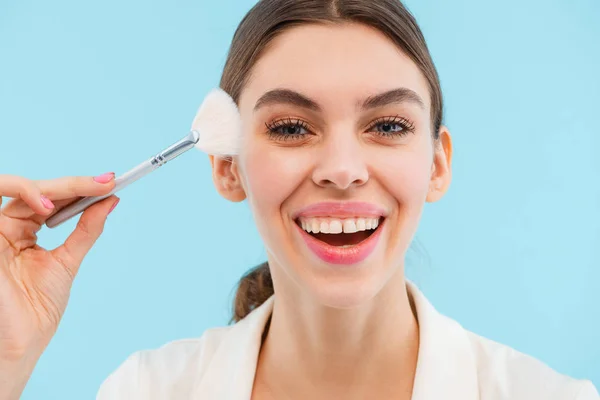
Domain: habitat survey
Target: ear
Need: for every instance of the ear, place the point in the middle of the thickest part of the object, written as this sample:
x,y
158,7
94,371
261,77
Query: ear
x,y
441,170
227,179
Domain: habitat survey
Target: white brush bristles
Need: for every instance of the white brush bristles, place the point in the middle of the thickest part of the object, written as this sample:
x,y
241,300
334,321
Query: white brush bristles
x,y
219,124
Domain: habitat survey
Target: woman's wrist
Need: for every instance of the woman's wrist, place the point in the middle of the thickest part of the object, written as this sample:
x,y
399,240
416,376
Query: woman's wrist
x,y
14,375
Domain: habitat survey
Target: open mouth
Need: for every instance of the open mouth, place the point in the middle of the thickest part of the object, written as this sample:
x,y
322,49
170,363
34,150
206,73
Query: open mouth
x,y
345,232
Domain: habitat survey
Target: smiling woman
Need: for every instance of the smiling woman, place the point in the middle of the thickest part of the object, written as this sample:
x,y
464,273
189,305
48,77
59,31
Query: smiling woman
x,y
343,144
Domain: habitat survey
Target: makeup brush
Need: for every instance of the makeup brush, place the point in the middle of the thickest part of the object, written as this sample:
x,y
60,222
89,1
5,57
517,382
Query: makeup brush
x,y
216,130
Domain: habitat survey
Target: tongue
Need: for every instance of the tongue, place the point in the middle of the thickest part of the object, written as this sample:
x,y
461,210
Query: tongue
x,y
343,239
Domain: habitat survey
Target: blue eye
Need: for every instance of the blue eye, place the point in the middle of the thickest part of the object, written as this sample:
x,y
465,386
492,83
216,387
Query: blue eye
x,y
391,126
287,129
388,128
291,130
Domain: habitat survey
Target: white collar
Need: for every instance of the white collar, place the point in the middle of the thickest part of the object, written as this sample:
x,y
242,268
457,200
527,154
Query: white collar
x,y
446,366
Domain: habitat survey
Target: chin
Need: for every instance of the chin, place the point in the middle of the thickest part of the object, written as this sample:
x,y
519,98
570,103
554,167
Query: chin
x,y
343,291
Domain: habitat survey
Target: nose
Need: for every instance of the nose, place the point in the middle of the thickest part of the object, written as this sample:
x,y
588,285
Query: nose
x,y
341,164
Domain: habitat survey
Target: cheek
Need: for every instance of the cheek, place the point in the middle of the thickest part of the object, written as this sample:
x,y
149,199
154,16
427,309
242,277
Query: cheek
x,y
271,175
406,175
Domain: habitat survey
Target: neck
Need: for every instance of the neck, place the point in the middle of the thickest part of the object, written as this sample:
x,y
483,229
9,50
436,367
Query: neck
x,y
365,352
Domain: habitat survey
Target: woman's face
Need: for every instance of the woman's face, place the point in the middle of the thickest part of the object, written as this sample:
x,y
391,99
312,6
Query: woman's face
x,y
337,139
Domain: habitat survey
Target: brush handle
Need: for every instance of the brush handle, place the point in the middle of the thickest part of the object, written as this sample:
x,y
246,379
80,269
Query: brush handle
x,y
126,179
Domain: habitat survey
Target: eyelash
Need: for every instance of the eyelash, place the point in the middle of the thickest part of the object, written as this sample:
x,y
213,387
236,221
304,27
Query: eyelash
x,y
407,126
274,128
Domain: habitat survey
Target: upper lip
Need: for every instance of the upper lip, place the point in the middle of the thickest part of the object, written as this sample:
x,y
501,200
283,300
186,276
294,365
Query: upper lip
x,y
336,209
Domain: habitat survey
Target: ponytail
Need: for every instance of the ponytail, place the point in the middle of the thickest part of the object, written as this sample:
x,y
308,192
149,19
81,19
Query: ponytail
x,y
254,288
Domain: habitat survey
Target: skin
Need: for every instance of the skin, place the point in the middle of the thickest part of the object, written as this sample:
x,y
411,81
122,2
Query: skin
x,y
336,332
35,283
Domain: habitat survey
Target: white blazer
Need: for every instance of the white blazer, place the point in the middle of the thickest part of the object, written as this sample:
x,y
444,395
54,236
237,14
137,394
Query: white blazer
x,y
452,364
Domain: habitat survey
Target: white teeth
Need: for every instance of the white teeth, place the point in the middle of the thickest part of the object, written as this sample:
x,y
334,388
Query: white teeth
x,y
314,225
361,224
350,226
336,225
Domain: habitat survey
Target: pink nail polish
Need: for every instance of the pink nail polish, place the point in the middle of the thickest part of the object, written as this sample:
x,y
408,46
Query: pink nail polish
x,y
113,206
47,203
105,178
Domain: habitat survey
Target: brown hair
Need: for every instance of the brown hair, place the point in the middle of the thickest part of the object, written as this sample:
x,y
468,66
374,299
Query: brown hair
x,y
269,18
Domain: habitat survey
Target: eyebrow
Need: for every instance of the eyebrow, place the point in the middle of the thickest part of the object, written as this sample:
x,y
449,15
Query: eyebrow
x,y
394,96
286,96
291,97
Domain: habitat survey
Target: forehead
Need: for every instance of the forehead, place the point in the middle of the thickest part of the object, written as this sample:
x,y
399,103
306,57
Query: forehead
x,y
334,63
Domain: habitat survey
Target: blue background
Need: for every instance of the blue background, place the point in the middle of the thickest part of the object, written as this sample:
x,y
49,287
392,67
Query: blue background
x,y
512,252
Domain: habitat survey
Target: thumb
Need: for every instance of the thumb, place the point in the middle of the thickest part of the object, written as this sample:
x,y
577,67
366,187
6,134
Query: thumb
x,y
89,228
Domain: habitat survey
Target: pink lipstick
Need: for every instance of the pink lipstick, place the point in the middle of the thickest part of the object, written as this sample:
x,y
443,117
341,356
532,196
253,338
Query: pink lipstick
x,y
342,254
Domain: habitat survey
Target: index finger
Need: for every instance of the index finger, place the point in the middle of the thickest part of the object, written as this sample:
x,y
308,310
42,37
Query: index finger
x,y
17,187
77,186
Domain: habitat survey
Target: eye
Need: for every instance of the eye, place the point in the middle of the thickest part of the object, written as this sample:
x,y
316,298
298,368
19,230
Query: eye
x,y
287,129
391,126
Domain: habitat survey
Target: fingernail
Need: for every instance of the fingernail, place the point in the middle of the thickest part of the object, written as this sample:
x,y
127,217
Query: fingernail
x,y
105,178
113,206
47,203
